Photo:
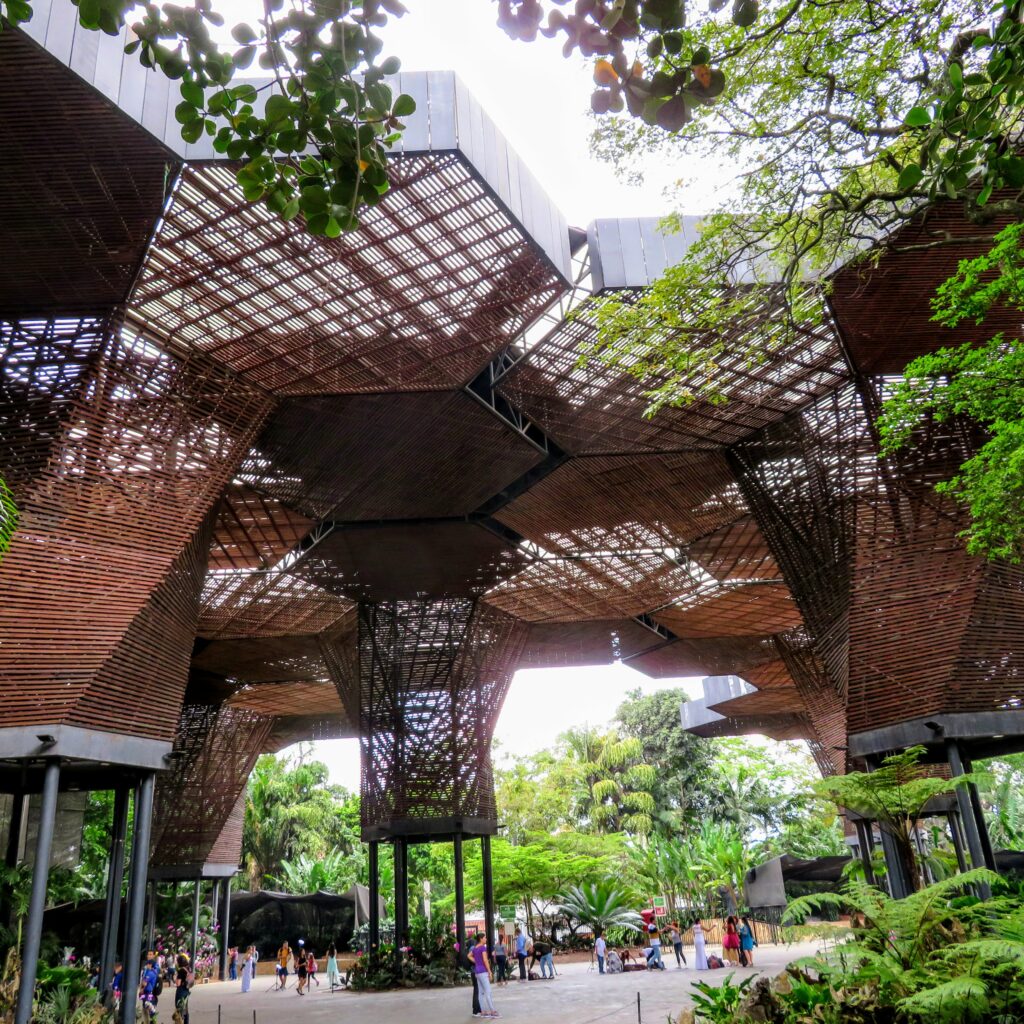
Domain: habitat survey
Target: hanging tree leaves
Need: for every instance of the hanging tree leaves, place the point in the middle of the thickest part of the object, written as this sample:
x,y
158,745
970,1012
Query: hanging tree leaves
x,y
312,140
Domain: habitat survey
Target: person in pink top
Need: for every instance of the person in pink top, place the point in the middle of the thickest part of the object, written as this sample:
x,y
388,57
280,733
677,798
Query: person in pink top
x,y
482,972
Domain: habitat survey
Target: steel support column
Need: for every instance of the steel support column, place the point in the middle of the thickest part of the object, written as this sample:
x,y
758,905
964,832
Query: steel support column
x,y
19,817
37,899
214,903
225,927
401,898
953,817
137,893
460,901
115,878
900,885
374,866
979,816
488,880
197,897
150,913
967,816
866,843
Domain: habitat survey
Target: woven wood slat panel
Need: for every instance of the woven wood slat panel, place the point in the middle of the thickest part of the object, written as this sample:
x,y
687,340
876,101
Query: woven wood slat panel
x,y
216,748
82,189
431,678
101,581
436,282
594,408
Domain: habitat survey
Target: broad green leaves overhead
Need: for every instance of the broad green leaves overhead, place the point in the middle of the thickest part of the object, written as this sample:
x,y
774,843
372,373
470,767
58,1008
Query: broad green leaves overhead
x,y
311,140
837,120
666,88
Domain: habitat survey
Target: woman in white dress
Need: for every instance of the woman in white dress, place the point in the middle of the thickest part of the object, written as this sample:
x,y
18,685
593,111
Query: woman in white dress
x,y
248,966
700,955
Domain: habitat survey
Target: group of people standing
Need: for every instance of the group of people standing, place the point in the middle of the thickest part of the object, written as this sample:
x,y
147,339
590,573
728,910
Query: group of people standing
x,y
303,964
738,943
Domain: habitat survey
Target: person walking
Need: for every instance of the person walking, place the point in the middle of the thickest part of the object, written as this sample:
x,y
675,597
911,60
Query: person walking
x,y
731,941
655,962
700,953
676,938
311,968
333,974
600,948
521,953
747,941
284,955
248,966
183,981
501,961
301,972
482,973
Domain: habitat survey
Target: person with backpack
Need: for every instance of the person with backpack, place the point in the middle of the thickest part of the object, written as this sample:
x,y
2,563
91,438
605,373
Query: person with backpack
x,y
150,987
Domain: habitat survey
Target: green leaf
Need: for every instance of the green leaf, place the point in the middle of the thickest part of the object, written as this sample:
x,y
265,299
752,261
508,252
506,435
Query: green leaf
x,y
910,176
956,77
192,93
701,56
279,108
404,106
391,66
243,34
192,131
917,117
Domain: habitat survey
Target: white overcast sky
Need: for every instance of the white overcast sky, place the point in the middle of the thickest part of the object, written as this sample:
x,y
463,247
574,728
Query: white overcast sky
x,y
541,703
541,102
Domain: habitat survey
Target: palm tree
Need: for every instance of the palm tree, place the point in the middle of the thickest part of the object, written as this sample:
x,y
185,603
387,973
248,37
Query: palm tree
x,y
600,905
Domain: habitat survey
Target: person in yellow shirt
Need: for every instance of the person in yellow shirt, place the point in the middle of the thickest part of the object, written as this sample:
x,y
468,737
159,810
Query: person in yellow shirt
x,y
283,956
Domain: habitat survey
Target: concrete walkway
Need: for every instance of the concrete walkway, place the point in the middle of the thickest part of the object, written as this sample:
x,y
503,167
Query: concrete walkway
x,y
576,996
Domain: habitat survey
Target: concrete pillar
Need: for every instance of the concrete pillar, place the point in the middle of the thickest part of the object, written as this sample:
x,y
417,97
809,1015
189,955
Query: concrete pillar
x,y
37,899
137,894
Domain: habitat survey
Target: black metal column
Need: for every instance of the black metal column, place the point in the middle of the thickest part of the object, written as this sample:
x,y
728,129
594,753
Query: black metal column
x,y
14,832
150,913
197,897
979,816
19,812
953,817
866,843
115,877
460,901
900,885
214,902
137,894
401,897
225,927
963,802
488,880
37,899
374,866
403,924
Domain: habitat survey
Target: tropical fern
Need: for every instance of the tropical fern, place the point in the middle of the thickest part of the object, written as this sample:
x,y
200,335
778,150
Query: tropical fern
x,y
8,517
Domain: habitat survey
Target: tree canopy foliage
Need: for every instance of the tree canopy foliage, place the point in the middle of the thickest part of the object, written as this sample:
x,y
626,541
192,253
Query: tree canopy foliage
x,y
313,138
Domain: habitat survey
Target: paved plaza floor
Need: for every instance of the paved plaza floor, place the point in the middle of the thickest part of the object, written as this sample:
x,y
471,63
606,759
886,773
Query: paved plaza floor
x,y
576,996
